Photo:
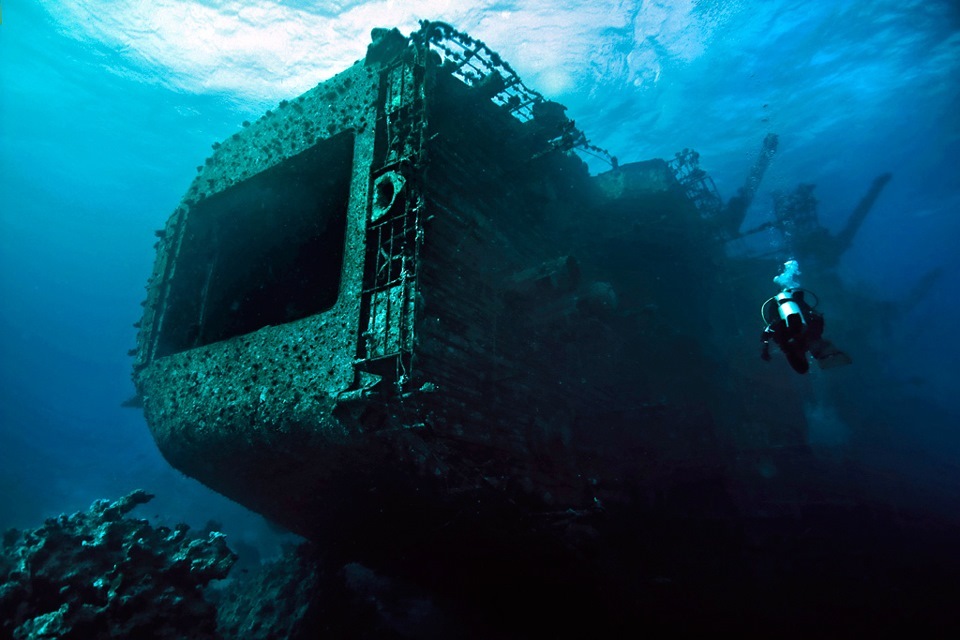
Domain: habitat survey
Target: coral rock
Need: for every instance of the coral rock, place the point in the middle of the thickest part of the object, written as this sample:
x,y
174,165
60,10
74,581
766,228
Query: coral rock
x,y
100,574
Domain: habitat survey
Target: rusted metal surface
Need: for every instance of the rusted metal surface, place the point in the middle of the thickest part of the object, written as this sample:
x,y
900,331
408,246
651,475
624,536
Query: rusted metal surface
x,y
402,293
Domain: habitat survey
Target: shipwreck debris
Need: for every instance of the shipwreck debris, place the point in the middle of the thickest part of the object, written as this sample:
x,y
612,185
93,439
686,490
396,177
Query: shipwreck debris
x,y
403,293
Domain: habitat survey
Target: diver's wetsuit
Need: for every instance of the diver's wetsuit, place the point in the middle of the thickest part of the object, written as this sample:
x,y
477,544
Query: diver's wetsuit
x,y
796,340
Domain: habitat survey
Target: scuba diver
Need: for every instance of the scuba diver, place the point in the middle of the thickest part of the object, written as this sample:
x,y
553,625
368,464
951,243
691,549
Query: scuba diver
x,y
797,328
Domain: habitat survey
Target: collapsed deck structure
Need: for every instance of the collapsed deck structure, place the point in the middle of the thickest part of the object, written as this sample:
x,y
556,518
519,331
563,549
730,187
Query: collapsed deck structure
x,y
400,301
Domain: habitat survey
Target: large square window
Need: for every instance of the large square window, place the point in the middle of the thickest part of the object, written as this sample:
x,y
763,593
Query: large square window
x,y
266,251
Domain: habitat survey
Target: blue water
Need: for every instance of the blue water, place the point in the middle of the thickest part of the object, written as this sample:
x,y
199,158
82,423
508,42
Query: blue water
x,y
106,108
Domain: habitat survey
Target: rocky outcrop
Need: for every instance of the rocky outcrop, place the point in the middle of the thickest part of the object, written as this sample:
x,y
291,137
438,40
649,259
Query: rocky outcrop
x,y
100,574
273,601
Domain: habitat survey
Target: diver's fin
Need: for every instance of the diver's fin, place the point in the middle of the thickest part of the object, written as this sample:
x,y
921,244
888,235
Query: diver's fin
x,y
828,356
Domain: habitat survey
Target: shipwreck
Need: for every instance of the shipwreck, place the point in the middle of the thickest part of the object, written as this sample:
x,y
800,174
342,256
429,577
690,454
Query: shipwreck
x,y
400,301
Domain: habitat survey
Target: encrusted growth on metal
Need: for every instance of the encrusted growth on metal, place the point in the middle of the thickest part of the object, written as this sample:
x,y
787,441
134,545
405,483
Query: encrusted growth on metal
x,y
482,68
385,292
697,183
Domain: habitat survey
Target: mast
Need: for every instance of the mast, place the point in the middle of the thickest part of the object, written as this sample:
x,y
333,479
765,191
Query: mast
x,y
736,209
844,239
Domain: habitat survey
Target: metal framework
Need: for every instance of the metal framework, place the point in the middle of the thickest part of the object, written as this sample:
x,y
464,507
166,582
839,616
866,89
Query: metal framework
x,y
697,184
476,65
393,232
